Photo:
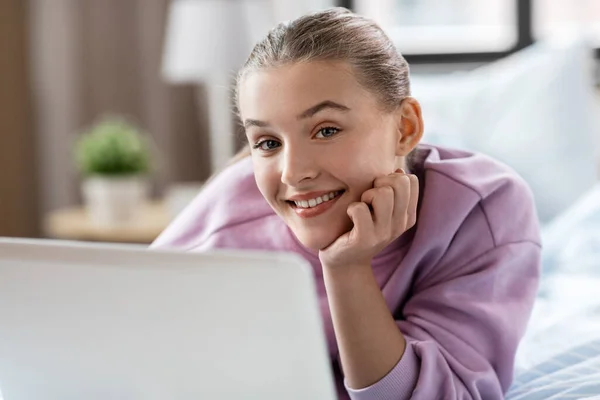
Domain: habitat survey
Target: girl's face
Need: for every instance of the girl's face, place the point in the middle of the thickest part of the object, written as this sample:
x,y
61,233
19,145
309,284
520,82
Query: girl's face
x,y
318,142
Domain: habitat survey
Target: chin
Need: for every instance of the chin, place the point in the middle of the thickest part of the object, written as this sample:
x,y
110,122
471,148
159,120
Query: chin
x,y
315,244
318,240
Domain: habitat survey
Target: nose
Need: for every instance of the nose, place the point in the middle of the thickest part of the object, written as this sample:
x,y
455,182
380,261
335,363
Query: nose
x,y
298,166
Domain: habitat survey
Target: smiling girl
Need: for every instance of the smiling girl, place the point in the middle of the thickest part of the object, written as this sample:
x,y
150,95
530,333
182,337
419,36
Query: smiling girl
x,y
426,259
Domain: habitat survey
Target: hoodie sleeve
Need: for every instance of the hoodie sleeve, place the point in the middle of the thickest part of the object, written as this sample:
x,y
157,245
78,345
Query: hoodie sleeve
x,y
231,198
468,312
462,334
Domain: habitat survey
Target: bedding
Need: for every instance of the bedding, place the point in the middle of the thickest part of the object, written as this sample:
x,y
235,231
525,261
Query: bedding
x,y
559,357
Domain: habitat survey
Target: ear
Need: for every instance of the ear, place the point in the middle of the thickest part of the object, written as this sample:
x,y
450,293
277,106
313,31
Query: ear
x,y
410,126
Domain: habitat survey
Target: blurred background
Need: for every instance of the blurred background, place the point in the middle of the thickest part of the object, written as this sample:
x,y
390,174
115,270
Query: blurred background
x,y
113,112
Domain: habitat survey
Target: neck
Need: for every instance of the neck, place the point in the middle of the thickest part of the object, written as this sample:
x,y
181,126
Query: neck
x,y
401,163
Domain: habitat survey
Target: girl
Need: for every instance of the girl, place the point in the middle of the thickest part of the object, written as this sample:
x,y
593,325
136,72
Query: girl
x,y
426,259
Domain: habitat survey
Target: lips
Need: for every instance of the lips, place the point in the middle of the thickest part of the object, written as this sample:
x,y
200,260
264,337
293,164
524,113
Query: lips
x,y
315,201
313,204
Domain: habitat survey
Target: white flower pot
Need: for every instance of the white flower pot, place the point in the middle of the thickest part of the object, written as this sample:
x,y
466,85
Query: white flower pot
x,y
114,200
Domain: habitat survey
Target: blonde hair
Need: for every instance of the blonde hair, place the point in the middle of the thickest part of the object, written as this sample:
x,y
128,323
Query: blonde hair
x,y
335,34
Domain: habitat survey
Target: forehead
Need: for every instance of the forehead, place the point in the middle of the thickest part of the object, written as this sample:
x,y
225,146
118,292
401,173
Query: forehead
x,y
295,87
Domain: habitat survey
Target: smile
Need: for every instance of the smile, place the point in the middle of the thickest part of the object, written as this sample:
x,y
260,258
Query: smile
x,y
315,206
318,200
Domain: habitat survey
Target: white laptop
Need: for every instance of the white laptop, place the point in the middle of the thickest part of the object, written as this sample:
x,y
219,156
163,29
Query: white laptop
x,y
91,321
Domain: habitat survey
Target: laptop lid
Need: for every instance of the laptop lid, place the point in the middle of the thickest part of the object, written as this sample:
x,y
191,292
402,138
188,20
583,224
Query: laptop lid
x,y
91,321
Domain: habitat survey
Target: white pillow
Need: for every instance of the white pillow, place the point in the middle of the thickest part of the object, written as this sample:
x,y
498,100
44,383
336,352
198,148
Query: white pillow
x,y
534,110
572,240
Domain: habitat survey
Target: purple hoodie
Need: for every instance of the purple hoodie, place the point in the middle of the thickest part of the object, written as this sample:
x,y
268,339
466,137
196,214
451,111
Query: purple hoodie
x,y
460,284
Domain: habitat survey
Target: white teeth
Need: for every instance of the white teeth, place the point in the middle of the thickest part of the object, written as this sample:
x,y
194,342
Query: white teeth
x,y
315,202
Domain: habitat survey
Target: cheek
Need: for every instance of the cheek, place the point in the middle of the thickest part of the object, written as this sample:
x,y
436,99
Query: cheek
x,y
267,180
360,178
360,164
373,147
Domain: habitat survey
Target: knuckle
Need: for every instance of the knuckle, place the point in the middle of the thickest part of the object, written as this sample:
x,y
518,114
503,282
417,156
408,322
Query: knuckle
x,y
412,221
366,197
379,182
357,207
386,190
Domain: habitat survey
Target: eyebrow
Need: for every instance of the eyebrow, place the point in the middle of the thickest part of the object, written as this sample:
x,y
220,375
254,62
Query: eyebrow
x,y
323,106
306,114
254,122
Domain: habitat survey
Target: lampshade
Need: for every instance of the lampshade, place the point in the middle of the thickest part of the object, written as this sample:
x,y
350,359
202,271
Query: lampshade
x,y
205,37
207,41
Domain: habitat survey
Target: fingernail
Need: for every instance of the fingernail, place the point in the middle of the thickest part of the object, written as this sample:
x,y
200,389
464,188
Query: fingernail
x,y
400,170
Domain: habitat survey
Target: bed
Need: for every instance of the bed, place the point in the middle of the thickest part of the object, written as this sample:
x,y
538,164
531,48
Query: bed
x,y
537,111
559,357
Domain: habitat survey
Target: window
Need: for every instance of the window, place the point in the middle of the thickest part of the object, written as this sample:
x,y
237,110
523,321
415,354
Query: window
x,y
446,26
553,17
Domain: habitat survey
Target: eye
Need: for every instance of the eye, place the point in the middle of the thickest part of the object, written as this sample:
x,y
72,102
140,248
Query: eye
x,y
326,132
267,145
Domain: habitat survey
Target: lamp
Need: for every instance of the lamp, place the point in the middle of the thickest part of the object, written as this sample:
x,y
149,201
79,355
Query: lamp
x,y
206,42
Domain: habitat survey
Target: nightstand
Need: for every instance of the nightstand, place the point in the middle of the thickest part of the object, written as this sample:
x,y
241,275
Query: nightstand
x,y
73,224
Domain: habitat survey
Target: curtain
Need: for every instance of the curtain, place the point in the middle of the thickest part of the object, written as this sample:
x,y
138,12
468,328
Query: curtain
x,y
18,191
93,57
97,57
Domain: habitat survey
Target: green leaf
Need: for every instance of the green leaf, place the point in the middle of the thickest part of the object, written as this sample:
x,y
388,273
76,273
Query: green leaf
x,y
113,146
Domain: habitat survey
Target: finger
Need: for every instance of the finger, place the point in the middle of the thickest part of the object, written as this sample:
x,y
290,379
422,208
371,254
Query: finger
x,y
413,201
382,201
402,191
361,217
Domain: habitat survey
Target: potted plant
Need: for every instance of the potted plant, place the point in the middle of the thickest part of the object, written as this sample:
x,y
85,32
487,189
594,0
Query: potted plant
x,y
114,158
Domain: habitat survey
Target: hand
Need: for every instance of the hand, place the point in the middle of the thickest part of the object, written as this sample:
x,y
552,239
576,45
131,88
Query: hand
x,y
383,214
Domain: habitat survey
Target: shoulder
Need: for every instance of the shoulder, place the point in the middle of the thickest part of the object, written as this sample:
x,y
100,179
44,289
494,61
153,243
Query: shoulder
x,y
471,205
229,199
471,184
235,188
